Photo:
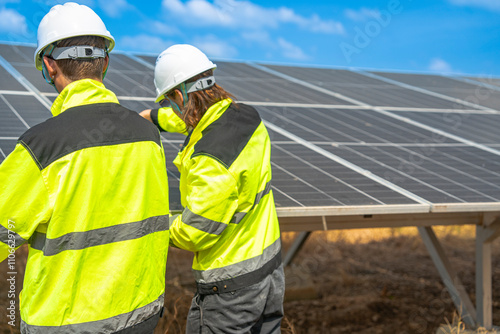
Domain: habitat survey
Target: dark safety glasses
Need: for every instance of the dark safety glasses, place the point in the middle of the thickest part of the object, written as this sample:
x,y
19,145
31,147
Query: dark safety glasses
x,y
165,102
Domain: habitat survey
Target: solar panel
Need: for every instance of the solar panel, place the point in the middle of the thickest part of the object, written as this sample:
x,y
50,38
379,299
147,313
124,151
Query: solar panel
x,y
365,90
430,172
344,125
7,145
12,124
409,149
465,91
486,80
8,82
356,132
478,127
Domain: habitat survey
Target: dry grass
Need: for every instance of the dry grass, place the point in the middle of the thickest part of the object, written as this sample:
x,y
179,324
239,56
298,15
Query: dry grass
x,y
457,326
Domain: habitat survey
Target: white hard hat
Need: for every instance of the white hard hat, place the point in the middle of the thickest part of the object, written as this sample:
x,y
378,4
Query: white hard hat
x,y
177,64
69,20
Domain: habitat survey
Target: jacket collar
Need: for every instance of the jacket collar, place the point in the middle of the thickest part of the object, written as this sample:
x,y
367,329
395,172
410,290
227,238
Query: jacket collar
x,y
82,92
212,113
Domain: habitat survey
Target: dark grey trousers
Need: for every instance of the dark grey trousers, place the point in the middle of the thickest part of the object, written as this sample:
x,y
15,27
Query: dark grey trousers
x,y
254,309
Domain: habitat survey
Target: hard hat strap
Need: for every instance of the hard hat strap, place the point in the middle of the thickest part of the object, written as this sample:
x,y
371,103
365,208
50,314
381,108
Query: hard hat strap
x,y
200,84
109,59
175,106
78,52
184,94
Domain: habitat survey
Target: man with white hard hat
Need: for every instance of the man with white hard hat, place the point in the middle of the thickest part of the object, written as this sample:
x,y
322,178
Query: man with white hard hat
x,y
87,191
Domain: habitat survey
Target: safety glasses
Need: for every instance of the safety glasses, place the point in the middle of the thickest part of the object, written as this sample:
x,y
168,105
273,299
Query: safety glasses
x,y
165,102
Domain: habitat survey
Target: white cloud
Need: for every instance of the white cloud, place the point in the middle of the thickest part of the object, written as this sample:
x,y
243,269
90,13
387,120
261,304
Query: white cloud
x,y
12,21
440,66
245,15
290,50
214,47
260,37
362,14
486,4
160,28
144,43
114,8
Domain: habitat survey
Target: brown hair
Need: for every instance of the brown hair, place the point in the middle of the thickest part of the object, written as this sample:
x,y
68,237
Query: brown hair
x,y
77,69
199,101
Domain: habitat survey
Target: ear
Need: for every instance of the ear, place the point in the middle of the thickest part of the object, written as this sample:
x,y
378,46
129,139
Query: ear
x,y
178,98
106,64
51,65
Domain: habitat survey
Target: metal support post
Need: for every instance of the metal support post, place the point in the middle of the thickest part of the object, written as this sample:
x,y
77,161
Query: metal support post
x,y
485,235
450,279
295,247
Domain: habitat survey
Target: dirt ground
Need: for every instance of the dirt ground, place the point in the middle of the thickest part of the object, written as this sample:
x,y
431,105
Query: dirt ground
x,y
351,281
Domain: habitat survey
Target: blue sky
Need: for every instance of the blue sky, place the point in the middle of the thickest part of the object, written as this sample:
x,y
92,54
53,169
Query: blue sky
x,y
439,36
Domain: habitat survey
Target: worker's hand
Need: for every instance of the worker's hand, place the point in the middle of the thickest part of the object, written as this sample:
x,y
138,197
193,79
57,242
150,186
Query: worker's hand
x,y
146,114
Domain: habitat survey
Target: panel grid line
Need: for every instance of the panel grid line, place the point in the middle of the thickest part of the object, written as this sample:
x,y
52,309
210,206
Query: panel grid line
x,y
288,196
14,111
475,82
329,175
305,182
380,163
23,81
424,91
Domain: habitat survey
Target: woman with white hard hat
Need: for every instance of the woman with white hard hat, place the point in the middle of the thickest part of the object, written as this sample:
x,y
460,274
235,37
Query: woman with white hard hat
x,y
97,251
229,217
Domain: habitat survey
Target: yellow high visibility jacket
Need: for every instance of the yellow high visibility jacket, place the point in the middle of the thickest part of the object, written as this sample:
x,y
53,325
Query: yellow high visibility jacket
x,y
229,218
87,190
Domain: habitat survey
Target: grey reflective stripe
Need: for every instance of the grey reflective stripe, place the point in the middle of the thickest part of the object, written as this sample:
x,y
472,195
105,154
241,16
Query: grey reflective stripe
x,y
238,217
101,236
201,223
213,227
109,325
8,236
172,219
264,192
240,268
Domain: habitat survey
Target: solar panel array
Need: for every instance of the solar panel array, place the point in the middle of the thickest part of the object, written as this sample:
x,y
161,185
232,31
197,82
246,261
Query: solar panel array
x,y
339,137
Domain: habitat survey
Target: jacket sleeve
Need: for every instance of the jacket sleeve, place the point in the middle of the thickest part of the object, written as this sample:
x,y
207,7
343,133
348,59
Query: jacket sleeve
x,y
210,203
24,200
167,120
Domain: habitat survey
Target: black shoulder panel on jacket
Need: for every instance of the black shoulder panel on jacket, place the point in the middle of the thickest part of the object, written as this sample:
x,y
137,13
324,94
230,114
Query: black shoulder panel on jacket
x,y
86,126
154,118
225,138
